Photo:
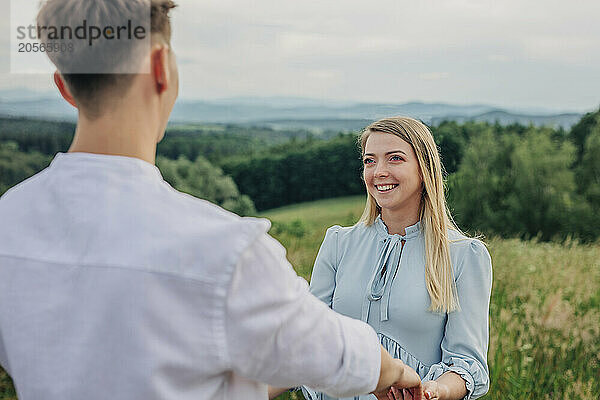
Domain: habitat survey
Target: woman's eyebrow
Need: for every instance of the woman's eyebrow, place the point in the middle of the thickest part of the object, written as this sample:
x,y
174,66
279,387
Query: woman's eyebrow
x,y
388,153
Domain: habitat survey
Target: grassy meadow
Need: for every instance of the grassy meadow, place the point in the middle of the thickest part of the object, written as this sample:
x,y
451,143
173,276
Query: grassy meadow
x,y
545,308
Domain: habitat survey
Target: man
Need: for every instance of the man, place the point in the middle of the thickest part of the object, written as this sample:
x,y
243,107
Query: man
x,y
115,285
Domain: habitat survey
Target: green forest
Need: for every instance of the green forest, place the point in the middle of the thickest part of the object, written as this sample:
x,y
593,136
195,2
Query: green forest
x,y
510,181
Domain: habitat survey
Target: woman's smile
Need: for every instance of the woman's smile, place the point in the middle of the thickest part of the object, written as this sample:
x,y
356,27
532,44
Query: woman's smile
x,y
386,188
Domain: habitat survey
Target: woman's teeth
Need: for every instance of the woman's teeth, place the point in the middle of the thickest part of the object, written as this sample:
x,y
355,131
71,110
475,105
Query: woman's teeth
x,y
385,188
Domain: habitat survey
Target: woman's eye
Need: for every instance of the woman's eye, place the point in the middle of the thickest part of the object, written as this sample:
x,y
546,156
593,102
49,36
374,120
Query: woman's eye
x,y
368,161
396,158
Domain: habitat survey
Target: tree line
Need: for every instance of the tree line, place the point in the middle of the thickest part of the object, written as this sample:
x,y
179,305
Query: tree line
x,y
214,142
510,180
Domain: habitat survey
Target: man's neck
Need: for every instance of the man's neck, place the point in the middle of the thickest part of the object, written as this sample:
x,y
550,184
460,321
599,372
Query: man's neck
x,y
123,133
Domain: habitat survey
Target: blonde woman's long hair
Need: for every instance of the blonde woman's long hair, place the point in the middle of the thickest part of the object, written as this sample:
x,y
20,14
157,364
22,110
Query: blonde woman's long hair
x,y
434,214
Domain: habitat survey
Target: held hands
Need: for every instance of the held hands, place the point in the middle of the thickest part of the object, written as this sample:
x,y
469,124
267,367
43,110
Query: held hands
x,y
406,385
402,394
431,390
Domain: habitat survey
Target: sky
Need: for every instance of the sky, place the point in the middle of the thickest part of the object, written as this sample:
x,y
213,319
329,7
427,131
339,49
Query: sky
x,y
534,54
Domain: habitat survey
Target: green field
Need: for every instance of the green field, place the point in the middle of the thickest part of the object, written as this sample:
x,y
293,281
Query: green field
x,y
545,309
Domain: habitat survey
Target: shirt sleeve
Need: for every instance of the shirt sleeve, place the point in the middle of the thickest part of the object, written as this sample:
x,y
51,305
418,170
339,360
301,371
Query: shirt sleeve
x,y
465,342
3,358
322,280
280,334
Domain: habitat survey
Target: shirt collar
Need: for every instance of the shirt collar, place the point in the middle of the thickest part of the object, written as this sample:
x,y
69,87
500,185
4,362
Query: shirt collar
x,y
106,162
410,231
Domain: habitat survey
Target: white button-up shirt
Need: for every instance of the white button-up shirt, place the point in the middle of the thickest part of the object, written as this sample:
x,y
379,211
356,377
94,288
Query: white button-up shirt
x,y
115,285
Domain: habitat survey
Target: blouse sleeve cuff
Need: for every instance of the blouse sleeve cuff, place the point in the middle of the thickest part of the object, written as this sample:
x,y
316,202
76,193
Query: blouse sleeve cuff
x,y
476,381
310,394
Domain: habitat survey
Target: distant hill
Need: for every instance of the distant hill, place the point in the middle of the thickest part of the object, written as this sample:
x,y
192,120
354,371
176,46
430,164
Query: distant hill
x,y
293,113
43,108
505,118
317,125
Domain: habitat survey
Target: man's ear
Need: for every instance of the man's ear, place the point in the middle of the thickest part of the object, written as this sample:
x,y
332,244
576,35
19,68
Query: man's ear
x,y
62,88
160,68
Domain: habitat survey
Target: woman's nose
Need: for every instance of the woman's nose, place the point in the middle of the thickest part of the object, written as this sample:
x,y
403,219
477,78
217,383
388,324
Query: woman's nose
x,y
381,170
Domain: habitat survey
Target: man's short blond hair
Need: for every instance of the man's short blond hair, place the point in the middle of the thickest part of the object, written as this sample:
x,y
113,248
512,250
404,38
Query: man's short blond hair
x,y
94,70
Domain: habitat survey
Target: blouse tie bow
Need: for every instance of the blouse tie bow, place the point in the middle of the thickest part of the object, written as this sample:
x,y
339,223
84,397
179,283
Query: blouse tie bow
x,y
380,284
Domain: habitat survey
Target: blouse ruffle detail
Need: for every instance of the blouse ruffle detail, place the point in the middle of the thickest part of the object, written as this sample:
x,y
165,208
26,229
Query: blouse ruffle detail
x,y
397,351
382,231
310,394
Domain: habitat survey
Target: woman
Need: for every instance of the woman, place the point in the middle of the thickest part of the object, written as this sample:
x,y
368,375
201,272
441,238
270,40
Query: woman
x,y
407,270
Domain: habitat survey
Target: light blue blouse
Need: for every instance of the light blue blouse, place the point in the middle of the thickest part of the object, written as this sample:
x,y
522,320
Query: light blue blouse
x,y
366,273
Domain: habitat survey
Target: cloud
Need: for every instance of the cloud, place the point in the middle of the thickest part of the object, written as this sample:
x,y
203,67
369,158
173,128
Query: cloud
x,y
509,52
394,50
498,58
322,74
434,76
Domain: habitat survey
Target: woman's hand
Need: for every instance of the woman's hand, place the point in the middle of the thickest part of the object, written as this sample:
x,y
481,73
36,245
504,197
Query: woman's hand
x,y
394,393
449,386
434,390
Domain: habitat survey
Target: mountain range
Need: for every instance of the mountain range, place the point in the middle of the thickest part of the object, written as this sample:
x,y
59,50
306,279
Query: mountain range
x,y
292,112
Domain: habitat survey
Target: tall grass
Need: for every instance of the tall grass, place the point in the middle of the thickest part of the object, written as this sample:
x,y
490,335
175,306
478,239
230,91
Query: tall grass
x,y
544,313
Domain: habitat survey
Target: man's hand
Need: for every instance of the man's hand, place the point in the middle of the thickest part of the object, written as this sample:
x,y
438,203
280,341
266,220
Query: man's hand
x,y
399,375
401,394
